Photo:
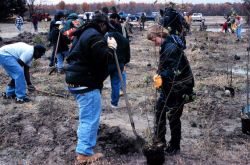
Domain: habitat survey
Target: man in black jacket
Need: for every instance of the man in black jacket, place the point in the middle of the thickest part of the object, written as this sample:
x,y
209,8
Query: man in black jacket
x,y
58,17
123,54
175,80
87,69
60,42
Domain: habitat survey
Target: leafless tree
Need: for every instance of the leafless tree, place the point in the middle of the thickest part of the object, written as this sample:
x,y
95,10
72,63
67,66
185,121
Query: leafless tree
x,y
30,4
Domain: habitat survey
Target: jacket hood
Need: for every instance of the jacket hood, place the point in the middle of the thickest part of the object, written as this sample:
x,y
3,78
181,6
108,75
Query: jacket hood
x,y
175,39
72,16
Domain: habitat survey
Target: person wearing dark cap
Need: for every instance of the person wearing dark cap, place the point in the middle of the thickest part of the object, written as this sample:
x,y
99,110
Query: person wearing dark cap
x,y
174,21
58,17
105,10
85,73
115,21
123,54
60,43
16,59
69,22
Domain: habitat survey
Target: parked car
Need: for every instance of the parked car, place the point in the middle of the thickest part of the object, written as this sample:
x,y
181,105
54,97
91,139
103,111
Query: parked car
x,y
148,17
197,17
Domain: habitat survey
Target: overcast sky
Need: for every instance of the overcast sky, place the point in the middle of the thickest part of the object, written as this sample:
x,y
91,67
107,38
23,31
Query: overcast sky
x,y
147,1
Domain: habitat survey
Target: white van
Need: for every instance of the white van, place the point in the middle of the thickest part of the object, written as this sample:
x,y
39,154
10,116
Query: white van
x,y
84,16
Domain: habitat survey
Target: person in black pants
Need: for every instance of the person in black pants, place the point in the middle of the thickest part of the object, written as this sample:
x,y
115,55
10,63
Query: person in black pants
x,y
175,81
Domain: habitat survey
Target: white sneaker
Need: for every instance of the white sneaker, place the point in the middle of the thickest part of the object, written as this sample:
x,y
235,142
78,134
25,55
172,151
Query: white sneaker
x,y
113,106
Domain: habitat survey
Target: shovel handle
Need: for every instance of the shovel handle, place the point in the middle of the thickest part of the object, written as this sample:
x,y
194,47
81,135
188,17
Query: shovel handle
x,y
125,95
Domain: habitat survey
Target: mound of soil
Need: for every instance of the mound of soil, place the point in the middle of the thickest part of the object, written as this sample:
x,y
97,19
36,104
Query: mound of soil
x,y
48,132
26,37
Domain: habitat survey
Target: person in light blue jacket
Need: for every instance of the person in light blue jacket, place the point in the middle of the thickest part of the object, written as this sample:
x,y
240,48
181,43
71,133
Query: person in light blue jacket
x,y
16,59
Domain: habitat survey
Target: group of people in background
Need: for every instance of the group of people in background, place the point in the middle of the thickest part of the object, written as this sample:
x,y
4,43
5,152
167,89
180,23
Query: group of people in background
x,y
233,24
19,22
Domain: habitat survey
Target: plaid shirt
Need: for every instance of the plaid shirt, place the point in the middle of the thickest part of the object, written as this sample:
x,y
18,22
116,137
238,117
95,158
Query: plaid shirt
x,y
19,21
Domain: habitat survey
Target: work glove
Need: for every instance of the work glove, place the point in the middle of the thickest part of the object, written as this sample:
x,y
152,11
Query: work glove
x,y
157,81
31,88
112,43
60,27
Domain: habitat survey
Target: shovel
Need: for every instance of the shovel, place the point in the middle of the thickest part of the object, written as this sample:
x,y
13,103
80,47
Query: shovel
x,y
139,139
51,93
230,86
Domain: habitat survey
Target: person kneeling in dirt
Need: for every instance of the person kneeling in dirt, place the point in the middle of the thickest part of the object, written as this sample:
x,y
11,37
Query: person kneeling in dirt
x,y
13,57
86,71
175,81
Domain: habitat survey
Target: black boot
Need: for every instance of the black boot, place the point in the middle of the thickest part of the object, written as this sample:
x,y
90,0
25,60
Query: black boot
x,y
172,149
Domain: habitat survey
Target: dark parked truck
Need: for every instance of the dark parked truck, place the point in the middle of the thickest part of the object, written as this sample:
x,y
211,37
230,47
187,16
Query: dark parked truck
x,y
124,15
151,17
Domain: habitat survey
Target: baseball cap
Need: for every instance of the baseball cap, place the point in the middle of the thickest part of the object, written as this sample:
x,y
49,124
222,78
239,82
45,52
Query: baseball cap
x,y
58,22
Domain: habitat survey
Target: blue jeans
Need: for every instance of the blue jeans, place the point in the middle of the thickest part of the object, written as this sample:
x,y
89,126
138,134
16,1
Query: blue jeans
x,y
238,32
89,115
15,71
124,77
60,58
115,83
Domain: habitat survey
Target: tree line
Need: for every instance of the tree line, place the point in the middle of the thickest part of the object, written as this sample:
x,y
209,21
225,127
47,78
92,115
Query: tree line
x,y
12,7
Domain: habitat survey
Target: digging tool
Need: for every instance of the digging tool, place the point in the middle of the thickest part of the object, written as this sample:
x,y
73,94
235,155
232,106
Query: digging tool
x,y
245,112
230,82
51,93
128,107
230,87
57,43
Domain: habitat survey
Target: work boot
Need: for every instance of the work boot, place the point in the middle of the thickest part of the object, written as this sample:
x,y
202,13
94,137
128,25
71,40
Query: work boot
x,y
4,95
23,100
83,159
60,71
172,149
51,64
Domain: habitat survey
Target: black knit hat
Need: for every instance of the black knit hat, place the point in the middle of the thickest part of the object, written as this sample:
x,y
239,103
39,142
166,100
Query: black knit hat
x,y
101,18
40,48
115,16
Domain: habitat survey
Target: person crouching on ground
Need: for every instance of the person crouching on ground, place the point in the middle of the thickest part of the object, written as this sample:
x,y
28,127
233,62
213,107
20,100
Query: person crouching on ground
x,y
16,59
85,73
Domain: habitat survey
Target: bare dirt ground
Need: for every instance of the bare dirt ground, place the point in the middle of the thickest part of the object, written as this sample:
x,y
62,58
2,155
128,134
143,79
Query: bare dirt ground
x,y
44,131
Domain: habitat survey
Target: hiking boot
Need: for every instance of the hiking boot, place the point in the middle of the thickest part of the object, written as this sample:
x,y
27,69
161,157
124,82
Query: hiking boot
x,y
22,100
4,95
172,150
83,159
51,64
60,71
